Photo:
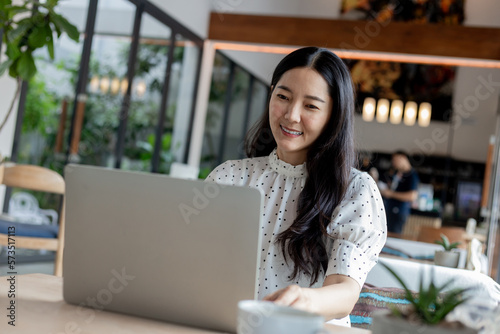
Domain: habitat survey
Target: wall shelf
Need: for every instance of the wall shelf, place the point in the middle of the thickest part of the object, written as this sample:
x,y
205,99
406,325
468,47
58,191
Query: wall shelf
x,y
434,43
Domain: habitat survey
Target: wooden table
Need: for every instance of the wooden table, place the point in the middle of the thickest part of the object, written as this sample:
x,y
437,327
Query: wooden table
x,y
40,308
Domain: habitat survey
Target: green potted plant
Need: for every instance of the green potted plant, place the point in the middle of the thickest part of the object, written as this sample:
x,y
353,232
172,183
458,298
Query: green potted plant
x,y
427,312
28,25
447,257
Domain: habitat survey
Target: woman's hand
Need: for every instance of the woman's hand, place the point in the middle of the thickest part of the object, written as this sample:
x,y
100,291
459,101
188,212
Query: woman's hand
x,y
294,296
334,300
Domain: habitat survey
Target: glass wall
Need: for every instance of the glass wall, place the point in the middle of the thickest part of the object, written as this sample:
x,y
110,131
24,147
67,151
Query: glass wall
x,y
147,91
44,124
258,103
137,102
232,144
237,101
134,83
49,98
106,88
162,102
182,89
213,123
134,74
107,82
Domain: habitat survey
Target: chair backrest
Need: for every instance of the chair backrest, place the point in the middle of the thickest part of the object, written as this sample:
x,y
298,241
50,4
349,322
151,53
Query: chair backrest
x,y
38,179
31,177
454,234
414,223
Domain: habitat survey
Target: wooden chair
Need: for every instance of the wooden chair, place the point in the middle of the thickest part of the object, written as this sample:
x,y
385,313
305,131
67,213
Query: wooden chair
x,y
454,234
414,223
38,179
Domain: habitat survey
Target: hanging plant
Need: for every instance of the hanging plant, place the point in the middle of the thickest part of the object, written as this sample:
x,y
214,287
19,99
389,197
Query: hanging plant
x,y
26,26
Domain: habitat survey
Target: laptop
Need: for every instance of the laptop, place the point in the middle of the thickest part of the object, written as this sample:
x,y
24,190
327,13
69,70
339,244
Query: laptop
x,y
181,251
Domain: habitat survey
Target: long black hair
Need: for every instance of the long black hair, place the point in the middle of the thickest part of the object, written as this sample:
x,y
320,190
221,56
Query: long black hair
x,y
329,161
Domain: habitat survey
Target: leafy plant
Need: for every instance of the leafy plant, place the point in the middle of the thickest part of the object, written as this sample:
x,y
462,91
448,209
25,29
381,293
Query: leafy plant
x,y
40,114
445,242
432,303
166,155
27,26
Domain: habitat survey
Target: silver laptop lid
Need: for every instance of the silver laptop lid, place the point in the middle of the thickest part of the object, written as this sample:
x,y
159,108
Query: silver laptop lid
x,y
182,251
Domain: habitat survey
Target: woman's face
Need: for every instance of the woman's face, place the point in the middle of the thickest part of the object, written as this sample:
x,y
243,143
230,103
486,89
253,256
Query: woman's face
x,y
299,110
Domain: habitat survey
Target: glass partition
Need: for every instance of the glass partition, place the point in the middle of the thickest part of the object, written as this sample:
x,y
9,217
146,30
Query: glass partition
x,y
237,101
215,113
147,92
49,99
259,102
236,123
158,112
182,88
45,121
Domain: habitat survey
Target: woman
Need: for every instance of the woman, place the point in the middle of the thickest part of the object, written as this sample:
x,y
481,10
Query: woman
x,y
324,221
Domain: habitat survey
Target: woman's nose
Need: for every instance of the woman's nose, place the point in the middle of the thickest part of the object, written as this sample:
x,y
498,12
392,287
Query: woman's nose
x,y
293,113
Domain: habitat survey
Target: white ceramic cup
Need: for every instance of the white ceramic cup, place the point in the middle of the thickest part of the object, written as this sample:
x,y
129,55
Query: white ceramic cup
x,y
263,317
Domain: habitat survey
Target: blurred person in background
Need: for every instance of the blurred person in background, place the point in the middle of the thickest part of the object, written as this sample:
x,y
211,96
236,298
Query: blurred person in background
x,y
399,189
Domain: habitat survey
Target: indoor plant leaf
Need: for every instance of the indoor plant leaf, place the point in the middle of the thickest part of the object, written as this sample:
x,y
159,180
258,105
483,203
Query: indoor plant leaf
x,y
24,33
5,3
14,10
58,31
26,67
409,295
21,29
64,25
433,302
38,37
12,52
50,41
51,3
13,69
5,65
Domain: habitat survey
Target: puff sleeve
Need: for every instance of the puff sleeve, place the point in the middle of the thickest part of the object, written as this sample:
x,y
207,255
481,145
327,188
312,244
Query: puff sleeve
x,y
358,230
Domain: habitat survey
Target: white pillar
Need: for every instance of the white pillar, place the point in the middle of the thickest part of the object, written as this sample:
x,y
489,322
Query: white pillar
x,y
7,91
207,64
184,101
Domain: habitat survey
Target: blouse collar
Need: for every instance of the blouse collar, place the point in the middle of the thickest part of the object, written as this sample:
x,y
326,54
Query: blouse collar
x,y
285,168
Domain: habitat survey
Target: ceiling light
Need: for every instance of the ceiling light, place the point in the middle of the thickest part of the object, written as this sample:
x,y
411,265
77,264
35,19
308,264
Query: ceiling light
x,y
369,109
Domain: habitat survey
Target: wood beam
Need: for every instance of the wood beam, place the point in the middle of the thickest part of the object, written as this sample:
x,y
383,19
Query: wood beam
x,y
392,37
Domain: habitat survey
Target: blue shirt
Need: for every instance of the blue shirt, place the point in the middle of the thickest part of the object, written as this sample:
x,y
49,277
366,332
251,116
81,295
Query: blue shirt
x,y
408,182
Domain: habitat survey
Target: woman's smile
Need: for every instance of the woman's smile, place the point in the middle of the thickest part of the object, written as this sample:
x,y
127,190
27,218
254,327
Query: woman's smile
x,y
299,109
290,132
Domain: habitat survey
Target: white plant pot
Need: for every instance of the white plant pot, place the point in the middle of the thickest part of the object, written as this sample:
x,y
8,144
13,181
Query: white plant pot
x,y
446,258
385,323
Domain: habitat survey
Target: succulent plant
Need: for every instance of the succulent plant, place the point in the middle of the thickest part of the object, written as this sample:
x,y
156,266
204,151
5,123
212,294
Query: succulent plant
x,y
431,303
445,242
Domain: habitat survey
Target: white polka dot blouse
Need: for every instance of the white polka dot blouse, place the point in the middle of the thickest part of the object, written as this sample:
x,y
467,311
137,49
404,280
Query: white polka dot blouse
x,y
357,230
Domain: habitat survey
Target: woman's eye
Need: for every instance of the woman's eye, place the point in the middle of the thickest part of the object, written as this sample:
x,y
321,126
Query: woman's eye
x,y
282,97
311,106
